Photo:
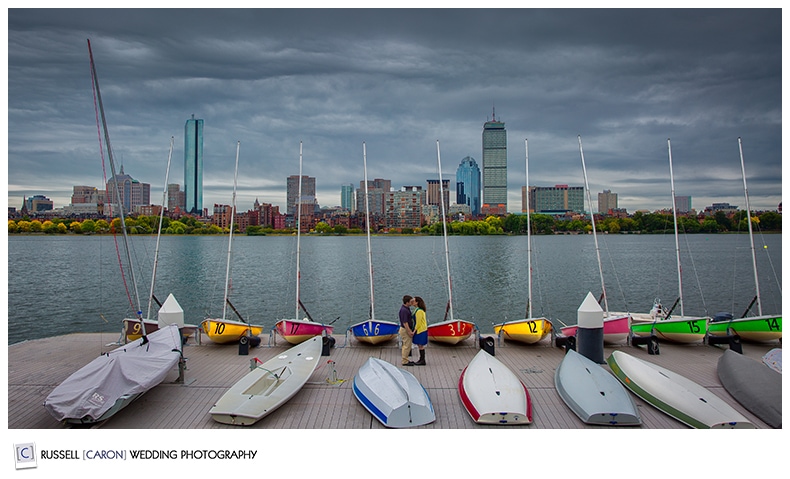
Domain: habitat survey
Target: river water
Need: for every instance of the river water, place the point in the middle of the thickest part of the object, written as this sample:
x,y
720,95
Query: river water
x,y
64,284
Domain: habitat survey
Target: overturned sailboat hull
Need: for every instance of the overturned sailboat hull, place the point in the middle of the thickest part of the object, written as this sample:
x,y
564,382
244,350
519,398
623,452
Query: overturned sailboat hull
x,y
392,395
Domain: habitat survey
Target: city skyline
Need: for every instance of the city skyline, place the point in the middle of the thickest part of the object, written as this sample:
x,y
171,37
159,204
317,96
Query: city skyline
x,y
399,80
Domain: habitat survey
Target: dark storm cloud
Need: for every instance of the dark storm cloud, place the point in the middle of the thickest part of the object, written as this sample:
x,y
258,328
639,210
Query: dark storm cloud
x,y
625,80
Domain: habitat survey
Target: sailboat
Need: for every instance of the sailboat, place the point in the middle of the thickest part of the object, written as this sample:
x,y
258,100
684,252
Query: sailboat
x,y
449,331
615,325
133,328
223,330
268,386
682,328
372,331
760,328
529,330
298,330
113,380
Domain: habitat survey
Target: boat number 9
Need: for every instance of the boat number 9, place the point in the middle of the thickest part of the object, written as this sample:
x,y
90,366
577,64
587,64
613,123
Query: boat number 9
x,y
693,326
220,328
136,328
773,325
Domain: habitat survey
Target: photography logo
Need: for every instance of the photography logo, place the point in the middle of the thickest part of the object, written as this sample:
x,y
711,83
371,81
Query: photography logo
x,y
25,455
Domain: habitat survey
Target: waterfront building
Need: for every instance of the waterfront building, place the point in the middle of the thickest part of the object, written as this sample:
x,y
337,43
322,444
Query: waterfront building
x,y
222,215
467,185
404,208
308,194
607,201
133,194
347,201
436,194
683,204
84,194
558,198
494,166
377,189
459,212
193,166
176,199
85,201
38,203
723,207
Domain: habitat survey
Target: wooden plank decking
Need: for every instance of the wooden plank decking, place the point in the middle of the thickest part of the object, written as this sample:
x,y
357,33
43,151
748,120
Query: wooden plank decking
x,y
35,368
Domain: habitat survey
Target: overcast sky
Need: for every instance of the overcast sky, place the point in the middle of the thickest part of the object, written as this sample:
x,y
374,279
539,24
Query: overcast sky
x,y
625,80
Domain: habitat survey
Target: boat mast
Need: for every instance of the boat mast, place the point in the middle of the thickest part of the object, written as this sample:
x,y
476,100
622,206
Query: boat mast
x,y
95,79
298,229
444,230
159,231
751,237
675,218
529,238
230,236
595,236
367,228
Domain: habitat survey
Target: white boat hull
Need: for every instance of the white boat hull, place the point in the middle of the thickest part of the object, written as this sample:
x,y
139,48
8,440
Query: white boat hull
x,y
268,386
675,395
392,395
492,394
593,394
754,385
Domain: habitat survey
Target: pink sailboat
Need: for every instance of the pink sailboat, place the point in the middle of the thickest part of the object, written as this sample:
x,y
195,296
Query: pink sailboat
x,y
296,330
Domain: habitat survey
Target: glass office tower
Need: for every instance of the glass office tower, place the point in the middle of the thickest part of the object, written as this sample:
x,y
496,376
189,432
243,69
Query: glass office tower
x,y
193,165
467,185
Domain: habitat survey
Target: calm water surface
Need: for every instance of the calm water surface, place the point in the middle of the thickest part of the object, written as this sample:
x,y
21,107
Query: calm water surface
x,y
63,284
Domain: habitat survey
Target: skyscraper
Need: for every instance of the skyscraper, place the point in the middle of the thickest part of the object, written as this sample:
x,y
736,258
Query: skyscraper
x,y
347,197
436,193
467,185
193,165
308,194
494,167
607,201
132,193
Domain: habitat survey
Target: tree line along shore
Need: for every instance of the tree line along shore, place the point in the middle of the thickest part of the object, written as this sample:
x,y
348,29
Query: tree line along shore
x,y
513,224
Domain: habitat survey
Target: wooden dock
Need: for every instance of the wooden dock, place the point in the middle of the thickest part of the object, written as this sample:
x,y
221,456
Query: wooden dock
x,y
36,367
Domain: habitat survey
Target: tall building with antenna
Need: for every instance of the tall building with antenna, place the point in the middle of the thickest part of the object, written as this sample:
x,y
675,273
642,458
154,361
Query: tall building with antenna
x,y
193,166
494,167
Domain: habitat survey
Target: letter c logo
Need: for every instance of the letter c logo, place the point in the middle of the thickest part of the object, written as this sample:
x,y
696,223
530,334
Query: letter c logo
x,y
24,452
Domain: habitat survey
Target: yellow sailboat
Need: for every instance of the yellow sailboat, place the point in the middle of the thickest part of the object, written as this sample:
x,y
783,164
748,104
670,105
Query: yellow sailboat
x,y
222,330
529,330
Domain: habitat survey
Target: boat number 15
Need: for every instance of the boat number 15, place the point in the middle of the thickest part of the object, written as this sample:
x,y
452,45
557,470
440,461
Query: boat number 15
x,y
693,326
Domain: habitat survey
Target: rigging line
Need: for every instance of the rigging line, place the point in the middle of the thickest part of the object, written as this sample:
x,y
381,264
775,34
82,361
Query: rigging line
x,y
770,262
696,273
104,177
614,271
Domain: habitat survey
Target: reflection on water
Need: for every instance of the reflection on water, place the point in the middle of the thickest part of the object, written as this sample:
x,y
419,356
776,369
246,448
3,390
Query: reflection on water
x,y
62,284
